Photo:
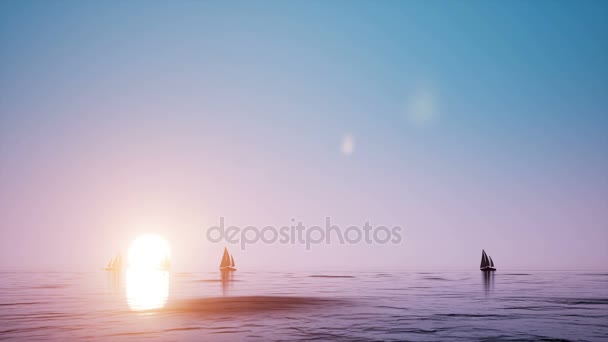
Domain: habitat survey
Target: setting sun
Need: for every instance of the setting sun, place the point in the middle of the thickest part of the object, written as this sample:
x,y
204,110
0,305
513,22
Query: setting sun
x,y
148,252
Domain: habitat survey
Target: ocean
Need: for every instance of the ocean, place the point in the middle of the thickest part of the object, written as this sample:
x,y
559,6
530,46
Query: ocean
x,y
344,306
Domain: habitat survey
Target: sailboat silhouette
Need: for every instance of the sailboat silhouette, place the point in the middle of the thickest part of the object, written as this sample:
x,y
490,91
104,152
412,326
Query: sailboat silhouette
x,y
227,263
486,262
115,264
165,264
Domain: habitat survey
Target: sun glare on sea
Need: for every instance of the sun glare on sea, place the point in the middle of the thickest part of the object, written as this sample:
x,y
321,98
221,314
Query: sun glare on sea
x,y
148,252
147,276
147,289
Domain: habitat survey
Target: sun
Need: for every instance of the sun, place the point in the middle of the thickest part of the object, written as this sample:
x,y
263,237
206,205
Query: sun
x,y
149,252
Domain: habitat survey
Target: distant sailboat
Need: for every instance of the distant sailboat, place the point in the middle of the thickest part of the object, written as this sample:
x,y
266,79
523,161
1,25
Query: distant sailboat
x,y
165,264
227,263
486,262
115,264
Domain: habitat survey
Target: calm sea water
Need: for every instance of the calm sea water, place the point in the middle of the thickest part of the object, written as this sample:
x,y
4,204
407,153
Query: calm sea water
x,y
419,306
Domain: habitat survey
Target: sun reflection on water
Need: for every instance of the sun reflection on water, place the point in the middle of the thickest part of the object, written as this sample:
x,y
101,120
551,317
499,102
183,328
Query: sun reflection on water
x,y
147,289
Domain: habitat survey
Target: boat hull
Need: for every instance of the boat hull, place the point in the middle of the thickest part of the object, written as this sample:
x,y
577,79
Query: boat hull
x,y
488,269
227,269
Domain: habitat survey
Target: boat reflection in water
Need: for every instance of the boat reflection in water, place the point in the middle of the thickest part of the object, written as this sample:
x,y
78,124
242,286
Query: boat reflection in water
x,y
227,278
488,281
147,289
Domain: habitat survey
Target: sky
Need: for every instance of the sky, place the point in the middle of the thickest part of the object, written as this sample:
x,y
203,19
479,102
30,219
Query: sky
x,y
470,124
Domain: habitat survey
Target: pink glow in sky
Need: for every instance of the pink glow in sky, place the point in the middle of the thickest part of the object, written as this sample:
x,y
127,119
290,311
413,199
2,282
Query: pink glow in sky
x,y
116,122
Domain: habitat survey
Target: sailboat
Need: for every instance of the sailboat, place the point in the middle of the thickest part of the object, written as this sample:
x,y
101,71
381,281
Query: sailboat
x,y
486,262
115,263
165,264
227,263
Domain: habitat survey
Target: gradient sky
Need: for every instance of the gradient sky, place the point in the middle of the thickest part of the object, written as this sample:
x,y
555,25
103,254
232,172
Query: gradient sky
x,y
471,124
